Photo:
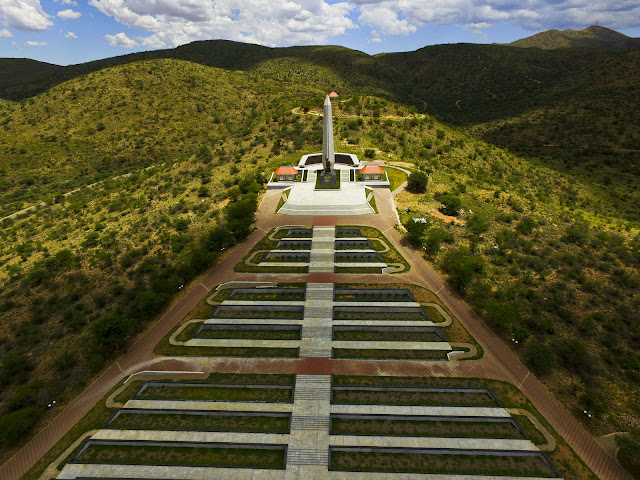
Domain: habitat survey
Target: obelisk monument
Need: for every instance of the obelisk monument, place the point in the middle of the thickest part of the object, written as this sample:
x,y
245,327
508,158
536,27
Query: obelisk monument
x,y
328,153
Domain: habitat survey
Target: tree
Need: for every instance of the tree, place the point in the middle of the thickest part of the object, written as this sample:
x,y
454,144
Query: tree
x,y
110,331
540,358
478,224
417,182
461,267
450,204
434,238
416,231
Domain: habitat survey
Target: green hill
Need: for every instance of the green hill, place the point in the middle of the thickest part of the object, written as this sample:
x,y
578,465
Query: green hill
x,y
593,36
348,68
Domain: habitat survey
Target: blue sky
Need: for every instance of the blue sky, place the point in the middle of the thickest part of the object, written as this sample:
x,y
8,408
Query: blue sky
x,y
74,31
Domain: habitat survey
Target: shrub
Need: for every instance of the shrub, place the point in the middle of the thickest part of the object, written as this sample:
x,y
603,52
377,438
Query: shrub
x,y
369,153
526,225
478,224
16,425
629,453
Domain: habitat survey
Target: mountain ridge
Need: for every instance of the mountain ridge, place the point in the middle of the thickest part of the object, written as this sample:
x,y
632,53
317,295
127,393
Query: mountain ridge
x,y
593,36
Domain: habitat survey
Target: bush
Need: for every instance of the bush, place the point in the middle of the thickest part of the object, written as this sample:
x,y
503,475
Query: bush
x,y
526,225
629,453
478,224
369,153
573,354
540,358
450,204
434,238
417,182
14,426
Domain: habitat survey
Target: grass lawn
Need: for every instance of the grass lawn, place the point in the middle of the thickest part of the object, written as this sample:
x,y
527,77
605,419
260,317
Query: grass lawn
x,y
192,455
402,462
361,425
396,177
198,421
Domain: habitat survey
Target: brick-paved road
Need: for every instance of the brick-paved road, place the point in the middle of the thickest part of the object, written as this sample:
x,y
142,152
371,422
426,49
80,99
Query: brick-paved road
x,y
499,362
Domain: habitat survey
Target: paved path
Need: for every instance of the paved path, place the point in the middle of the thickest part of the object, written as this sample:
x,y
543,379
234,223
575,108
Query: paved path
x,y
499,362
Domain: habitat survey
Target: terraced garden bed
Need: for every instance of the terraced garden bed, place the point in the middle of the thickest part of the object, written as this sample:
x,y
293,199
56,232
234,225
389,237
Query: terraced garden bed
x,y
388,354
200,421
388,460
421,427
398,334
394,396
254,332
201,455
215,392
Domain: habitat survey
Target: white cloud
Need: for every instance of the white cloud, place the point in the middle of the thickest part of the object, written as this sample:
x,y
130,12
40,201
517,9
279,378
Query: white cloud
x,y
70,35
385,20
267,22
528,14
120,40
69,14
24,15
68,2
29,43
4,33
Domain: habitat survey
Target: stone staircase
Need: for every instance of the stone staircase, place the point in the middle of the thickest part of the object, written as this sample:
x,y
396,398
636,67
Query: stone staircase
x,y
322,250
356,209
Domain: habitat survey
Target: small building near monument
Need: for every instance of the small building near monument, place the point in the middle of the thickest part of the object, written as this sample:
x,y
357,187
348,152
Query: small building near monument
x,y
285,174
372,172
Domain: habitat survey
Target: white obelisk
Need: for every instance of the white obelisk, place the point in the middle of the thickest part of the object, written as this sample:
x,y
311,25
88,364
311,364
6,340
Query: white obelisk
x,y
328,153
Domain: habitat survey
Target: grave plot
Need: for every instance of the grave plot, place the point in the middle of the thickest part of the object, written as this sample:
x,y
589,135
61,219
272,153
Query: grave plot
x,y
282,250
395,425
207,428
390,324
357,246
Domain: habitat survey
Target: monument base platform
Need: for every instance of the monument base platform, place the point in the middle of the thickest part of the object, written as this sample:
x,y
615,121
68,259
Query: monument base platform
x,y
328,180
304,199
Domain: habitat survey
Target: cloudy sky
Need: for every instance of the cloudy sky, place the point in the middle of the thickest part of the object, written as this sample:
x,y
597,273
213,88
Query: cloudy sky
x,y
73,31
